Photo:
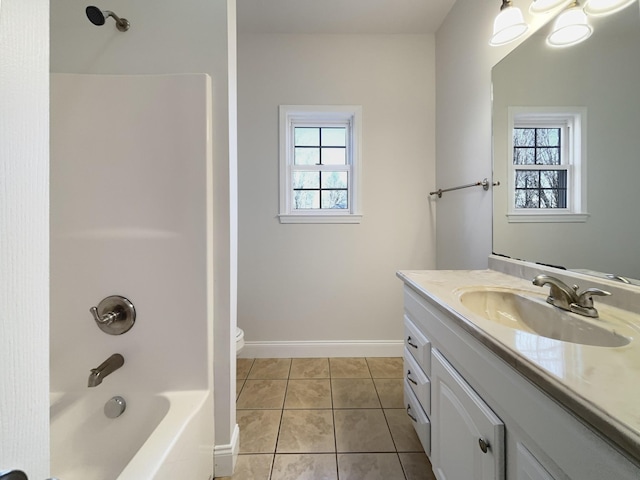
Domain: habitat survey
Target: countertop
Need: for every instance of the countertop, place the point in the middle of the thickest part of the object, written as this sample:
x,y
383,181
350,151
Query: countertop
x,y
599,385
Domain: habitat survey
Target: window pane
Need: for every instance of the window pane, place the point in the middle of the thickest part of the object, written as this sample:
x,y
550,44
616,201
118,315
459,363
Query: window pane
x,y
334,199
306,136
548,156
548,137
527,199
334,156
553,179
334,179
524,156
524,137
527,179
305,199
306,180
334,137
307,156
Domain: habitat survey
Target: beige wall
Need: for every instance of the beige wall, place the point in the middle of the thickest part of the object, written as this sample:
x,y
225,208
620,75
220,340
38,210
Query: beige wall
x,y
335,282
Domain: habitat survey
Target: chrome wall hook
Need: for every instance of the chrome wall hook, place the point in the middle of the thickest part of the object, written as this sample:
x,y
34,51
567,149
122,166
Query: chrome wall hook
x,y
114,315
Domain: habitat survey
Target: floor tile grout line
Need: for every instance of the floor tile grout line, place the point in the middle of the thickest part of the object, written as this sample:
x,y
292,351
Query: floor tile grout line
x,y
275,448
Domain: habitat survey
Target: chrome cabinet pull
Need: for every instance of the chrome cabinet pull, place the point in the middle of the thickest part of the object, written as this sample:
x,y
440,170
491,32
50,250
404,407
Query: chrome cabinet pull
x,y
409,342
484,445
409,413
411,379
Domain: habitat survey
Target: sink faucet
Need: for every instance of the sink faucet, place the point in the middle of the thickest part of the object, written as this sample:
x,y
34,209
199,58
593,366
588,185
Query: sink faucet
x,y
568,298
107,367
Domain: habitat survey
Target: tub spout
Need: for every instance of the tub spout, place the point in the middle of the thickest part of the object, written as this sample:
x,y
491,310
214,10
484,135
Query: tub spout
x,y
107,367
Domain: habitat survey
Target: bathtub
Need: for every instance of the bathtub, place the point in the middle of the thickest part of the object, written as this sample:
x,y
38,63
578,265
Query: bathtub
x,y
158,437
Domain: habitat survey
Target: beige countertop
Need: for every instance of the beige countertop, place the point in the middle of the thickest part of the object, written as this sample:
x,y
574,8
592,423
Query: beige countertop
x,y
599,385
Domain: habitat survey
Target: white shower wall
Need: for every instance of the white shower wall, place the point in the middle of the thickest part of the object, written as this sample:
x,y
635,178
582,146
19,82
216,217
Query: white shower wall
x,y
130,180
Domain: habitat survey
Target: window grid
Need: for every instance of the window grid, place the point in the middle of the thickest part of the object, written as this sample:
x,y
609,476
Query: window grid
x,y
328,198
540,168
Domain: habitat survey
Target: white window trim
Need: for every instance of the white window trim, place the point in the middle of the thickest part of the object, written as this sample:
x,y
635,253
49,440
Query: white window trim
x,y
576,143
328,114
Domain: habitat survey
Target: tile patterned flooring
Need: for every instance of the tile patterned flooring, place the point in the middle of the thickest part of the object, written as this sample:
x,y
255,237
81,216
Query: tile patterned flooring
x,y
325,419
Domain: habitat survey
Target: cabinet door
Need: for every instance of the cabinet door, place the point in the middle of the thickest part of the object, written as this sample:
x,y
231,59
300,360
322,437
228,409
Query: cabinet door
x,y
467,437
529,468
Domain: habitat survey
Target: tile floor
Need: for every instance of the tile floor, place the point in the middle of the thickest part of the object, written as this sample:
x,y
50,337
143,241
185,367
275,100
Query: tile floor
x,y
325,419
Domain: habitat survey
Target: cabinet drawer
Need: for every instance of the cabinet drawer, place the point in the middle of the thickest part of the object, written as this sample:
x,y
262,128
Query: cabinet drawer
x,y
417,381
418,345
419,419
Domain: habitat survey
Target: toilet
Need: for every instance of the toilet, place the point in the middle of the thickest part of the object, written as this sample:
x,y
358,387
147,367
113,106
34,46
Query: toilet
x,y
239,340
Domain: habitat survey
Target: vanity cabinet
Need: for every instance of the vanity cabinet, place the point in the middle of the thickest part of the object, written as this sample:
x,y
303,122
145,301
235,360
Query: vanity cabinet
x,y
477,401
467,437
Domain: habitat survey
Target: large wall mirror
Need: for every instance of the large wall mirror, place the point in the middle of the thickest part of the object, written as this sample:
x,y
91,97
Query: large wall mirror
x,y
600,76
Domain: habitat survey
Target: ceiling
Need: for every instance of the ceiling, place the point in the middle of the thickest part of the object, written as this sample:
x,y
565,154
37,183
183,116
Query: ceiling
x,y
341,16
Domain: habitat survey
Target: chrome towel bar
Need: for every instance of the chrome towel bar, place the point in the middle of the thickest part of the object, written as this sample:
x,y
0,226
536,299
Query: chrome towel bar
x,y
484,184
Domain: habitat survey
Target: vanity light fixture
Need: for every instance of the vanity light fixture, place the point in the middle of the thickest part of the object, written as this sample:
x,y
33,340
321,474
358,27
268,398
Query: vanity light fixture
x,y
570,28
508,25
606,7
539,7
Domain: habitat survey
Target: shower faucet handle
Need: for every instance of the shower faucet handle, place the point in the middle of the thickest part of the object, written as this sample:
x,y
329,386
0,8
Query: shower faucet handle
x,y
114,315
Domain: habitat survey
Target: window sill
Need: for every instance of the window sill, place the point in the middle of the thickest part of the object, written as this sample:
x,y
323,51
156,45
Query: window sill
x,y
302,218
547,217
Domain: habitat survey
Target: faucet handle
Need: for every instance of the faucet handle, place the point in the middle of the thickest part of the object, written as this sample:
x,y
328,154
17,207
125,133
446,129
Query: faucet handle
x,y
114,315
585,300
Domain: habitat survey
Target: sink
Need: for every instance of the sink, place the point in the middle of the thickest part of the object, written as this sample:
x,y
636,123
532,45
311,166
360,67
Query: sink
x,y
526,312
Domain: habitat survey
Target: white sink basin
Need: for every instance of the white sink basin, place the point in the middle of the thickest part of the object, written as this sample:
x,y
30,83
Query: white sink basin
x,y
516,309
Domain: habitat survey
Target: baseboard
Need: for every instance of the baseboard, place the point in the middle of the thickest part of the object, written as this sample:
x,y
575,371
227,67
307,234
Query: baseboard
x,y
226,456
321,349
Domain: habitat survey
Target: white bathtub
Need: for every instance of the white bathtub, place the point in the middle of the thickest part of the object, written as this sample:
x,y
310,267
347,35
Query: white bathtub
x,y
165,436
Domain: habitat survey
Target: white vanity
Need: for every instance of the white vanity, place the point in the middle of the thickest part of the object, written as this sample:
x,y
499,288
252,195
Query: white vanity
x,y
492,399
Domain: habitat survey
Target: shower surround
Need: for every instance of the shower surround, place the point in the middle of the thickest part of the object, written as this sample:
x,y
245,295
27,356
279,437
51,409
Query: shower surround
x,y
131,191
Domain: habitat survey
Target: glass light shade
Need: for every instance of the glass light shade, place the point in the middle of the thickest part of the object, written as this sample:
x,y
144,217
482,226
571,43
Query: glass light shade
x,y
606,7
508,25
538,7
571,27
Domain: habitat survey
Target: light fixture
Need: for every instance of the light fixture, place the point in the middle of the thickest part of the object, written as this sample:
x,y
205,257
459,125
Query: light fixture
x,y
538,7
571,27
605,7
508,25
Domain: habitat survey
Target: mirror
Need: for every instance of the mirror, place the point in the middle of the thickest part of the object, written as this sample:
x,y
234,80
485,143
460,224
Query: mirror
x,y
601,74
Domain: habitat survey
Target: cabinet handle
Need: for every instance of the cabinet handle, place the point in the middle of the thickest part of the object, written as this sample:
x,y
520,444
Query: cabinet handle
x,y
484,445
409,413
409,342
411,379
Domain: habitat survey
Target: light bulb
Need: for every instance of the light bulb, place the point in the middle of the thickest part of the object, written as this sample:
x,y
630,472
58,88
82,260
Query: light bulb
x,y
571,27
508,26
606,7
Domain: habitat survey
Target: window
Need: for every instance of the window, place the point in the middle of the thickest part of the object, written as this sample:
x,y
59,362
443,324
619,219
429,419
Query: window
x,y
547,167
320,164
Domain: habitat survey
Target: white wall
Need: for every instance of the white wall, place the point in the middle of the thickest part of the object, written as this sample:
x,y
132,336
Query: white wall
x,y
192,36
24,236
463,135
335,282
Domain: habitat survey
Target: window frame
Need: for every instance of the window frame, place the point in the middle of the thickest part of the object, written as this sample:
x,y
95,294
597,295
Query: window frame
x,y
573,124
292,116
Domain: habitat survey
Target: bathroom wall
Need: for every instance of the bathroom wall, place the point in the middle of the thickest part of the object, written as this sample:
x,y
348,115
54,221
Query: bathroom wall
x,y
129,184
306,284
191,36
24,236
463,134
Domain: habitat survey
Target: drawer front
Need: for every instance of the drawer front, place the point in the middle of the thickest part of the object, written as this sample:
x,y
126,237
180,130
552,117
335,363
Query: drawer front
x,y
418,345
417,381
419,419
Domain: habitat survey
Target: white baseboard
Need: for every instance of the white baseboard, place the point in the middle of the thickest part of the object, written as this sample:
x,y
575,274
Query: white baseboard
x,y
322,349
226,456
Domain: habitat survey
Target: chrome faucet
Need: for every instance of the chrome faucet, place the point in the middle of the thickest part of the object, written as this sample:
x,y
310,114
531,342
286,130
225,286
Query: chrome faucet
x,y
568,298
107,367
